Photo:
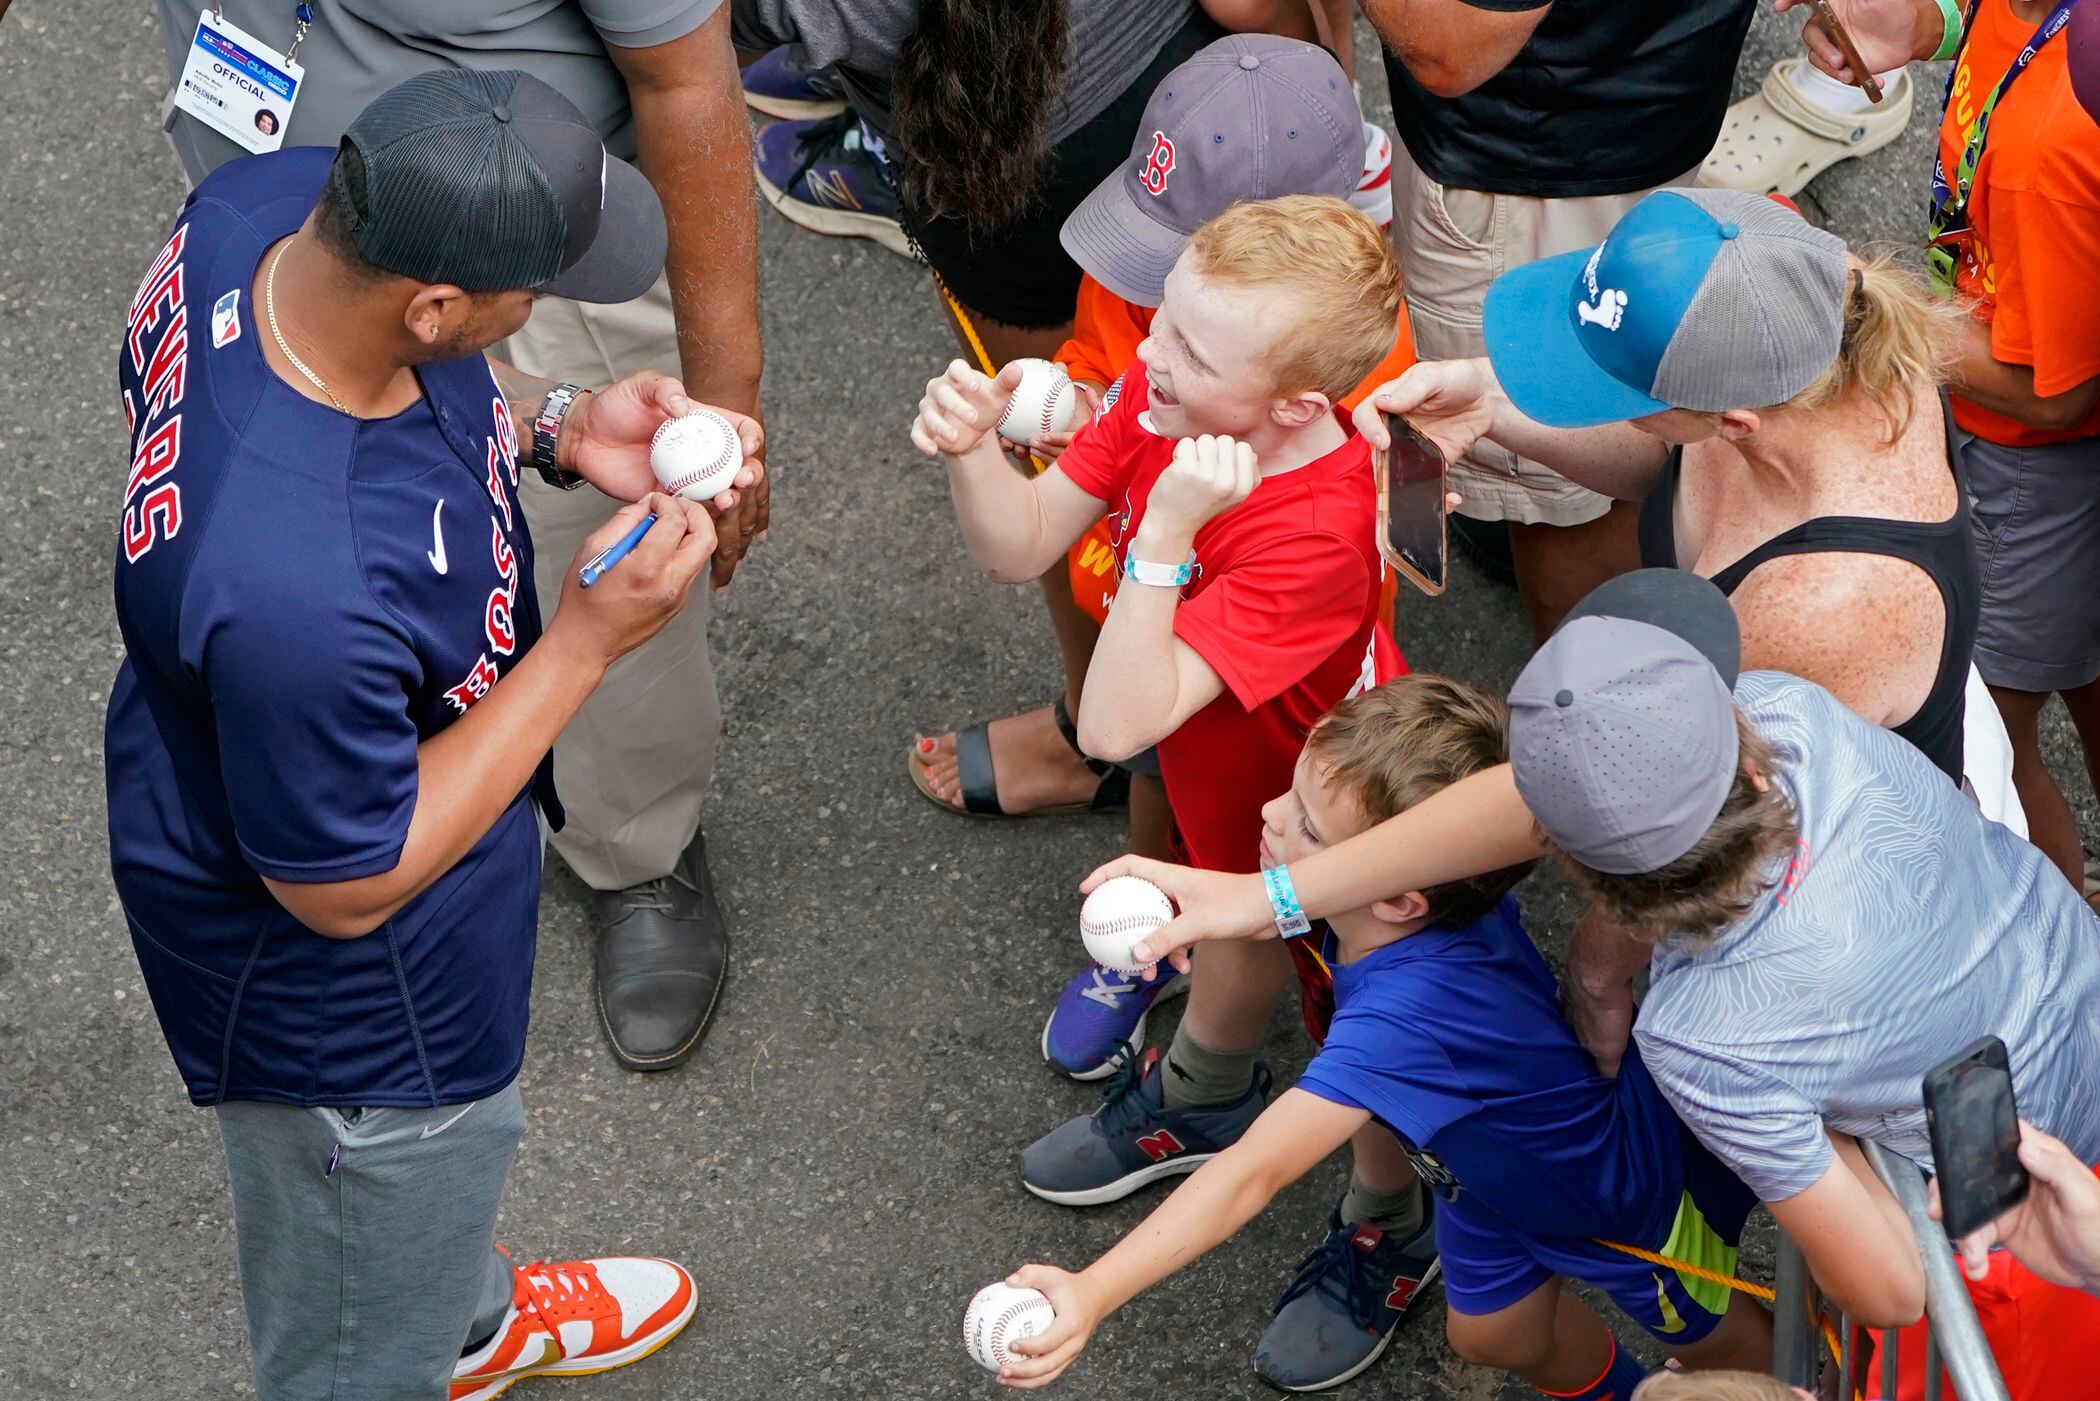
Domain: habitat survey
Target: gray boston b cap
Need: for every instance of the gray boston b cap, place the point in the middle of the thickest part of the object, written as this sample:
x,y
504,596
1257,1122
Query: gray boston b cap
x,y
493,182
1249,117
1623,738
1769,316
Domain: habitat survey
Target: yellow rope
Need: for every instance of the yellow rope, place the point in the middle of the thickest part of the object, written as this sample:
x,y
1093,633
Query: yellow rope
x,y
1741,1286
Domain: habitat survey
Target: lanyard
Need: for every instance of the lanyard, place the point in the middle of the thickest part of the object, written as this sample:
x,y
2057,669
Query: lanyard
x,y
302,20
1950,201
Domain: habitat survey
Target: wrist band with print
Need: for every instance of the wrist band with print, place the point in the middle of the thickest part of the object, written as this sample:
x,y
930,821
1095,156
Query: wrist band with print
x,y
1283,902
1950,30
1163,576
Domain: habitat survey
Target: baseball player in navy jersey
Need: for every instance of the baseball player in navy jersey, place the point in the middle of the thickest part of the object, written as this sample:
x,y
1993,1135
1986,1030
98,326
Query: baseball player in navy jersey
x,y
328,738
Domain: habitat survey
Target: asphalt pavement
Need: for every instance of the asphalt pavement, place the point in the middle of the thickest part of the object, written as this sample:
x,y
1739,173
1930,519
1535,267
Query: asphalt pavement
x,y
837,1165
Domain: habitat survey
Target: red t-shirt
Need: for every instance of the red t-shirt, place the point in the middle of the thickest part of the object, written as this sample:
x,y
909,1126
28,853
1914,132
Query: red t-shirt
x,y
1284,607
2033,265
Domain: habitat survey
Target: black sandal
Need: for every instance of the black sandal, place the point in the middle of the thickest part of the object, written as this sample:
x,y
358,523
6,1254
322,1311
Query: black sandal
x,y
980,787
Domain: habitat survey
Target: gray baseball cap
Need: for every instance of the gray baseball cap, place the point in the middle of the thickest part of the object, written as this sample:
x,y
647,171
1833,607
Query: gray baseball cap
x,y
1622,729
494,182
1697,299
1249,117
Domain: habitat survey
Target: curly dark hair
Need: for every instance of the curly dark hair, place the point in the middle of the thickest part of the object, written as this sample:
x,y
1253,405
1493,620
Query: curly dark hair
x,y
972,94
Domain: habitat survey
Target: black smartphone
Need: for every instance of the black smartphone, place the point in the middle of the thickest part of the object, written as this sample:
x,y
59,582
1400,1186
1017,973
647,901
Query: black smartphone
x,y
1975,1130
1411,491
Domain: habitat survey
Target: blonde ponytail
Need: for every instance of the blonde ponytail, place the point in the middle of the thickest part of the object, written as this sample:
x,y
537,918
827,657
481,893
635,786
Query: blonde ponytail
x,y
1897,338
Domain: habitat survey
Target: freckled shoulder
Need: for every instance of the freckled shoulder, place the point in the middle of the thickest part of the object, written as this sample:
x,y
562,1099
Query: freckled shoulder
x,y
1868,628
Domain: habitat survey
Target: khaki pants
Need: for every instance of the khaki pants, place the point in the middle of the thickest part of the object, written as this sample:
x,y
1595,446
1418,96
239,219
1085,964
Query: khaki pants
x,y
1451,245
632,767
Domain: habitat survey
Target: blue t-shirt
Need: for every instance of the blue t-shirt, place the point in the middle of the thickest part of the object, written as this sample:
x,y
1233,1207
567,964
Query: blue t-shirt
x,y
1453,1039
305,597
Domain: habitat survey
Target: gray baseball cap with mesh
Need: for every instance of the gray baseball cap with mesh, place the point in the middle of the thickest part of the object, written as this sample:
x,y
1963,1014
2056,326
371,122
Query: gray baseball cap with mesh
x,y
1697,299
1623,738
494,182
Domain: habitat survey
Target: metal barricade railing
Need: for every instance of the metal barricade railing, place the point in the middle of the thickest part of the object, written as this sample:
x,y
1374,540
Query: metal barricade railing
x,y
1954,1343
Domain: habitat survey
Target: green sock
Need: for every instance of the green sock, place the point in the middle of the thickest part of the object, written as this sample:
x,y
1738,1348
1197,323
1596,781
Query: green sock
x,y
1398,1214
1192,1074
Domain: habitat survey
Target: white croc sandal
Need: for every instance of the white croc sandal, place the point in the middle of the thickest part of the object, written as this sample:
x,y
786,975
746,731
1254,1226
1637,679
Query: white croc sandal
x,y
1776,140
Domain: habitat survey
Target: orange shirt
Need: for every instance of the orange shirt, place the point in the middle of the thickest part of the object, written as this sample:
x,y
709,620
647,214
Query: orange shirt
x,y
1106,331
2033,264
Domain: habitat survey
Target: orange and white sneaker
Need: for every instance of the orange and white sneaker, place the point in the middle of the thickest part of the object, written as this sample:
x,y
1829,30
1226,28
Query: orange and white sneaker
x,y
1373,194
575,1317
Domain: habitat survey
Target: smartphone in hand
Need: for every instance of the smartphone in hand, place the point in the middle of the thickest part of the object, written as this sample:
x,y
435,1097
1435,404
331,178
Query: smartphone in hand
x,y
1411,492
1975,1129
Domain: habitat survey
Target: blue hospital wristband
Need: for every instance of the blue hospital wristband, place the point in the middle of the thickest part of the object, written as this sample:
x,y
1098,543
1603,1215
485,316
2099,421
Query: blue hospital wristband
x,y
1283,903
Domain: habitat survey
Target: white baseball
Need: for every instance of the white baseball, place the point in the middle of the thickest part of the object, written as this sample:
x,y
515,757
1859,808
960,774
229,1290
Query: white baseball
x,y
999,1314
1120,912
696,455
1045,402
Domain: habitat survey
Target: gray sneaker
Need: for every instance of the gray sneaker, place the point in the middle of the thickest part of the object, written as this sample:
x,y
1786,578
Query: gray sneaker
x,y
1351,1290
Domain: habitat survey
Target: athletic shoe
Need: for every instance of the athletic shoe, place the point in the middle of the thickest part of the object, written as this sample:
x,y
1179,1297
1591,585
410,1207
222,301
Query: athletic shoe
x,y
1134,1139
1374,192
830,177
1350,1292
779,87
1101,1015
577,1317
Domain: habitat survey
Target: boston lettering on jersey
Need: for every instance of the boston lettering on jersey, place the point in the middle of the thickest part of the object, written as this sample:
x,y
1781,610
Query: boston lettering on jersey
x,y
296,623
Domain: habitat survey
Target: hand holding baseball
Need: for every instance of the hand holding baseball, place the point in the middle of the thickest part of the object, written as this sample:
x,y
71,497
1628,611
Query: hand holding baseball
x,y
1213,905
1208,477
607,434
1042,1359
961,407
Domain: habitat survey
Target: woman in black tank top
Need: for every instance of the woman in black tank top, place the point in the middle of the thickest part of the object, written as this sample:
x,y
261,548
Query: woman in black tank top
x,y
1803,388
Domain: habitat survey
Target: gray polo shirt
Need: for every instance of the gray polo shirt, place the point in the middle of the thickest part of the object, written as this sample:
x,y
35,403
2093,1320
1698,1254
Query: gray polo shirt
x,y
1110,43
1905,926
357,49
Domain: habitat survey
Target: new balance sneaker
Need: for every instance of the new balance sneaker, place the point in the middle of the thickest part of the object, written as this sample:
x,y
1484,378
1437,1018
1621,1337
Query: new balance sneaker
x,y
1374,192
830,177
577,1317
1349,1294
780,87
1134,1139
1101,1015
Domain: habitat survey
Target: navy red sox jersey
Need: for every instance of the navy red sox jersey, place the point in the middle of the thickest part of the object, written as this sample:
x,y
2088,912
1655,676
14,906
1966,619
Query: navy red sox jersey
x,y
305,597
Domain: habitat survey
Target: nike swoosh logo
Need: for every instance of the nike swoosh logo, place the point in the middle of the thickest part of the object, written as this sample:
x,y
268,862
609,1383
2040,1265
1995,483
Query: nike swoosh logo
x,y
429,1132
437,531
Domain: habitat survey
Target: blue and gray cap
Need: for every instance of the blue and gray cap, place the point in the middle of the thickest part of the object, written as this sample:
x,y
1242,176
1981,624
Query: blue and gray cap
x,y
1622,729
1697,299
493,181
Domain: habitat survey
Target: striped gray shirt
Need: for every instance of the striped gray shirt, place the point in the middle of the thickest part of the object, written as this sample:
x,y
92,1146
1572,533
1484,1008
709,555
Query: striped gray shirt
x,y
1904,927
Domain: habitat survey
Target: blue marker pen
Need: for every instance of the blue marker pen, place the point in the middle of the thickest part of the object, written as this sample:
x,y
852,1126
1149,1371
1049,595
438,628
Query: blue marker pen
x,y
615,552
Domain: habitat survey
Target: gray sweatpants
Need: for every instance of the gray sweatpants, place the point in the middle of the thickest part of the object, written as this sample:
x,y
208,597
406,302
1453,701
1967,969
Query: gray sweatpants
x,y
363,1283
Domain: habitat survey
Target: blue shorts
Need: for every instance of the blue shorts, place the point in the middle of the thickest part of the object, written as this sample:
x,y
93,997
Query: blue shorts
x,y
1489,1264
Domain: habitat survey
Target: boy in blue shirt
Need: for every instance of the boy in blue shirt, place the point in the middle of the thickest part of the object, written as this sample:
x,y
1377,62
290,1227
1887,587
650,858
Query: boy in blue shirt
x,y
1447,1031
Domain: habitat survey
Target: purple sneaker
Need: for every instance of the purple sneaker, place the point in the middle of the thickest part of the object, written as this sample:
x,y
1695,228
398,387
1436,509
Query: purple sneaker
x,y
780,87
830,177
1101,1015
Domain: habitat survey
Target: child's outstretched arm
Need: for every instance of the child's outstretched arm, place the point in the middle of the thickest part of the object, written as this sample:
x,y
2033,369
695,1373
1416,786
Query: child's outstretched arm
x,y
1015,527
1290,1137
1143,681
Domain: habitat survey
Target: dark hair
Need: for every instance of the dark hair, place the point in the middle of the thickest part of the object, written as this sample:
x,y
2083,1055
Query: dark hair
x,y
341,209
972,94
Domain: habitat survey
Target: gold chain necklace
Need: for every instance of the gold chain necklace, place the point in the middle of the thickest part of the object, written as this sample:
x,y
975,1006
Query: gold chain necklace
x,y
270,310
